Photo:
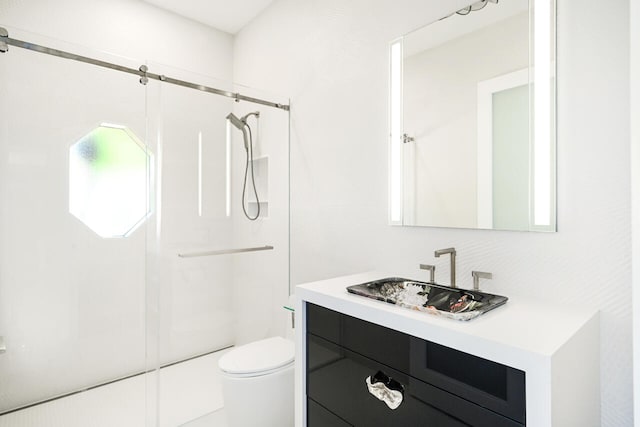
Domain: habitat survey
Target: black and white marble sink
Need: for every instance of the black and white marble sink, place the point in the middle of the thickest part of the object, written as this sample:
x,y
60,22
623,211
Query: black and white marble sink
x,y
454,303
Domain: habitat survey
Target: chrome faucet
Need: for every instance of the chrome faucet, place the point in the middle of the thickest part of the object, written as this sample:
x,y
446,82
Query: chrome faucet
x,y
452,252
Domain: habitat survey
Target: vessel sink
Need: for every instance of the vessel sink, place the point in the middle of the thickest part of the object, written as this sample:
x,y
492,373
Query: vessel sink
x,y
454,303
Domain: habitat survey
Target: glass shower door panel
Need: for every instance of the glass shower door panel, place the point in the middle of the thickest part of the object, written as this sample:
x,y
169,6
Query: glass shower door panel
x,y
262,278
73,168
195,317
194,312
208,296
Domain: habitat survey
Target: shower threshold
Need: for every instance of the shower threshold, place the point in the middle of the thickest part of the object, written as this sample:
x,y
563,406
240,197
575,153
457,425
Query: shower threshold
x,y
190,395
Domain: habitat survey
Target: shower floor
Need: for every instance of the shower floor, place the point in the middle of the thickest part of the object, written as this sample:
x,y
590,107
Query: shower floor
x,y
190,396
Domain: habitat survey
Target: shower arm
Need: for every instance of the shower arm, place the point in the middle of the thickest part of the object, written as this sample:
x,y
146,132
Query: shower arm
x,y
246,116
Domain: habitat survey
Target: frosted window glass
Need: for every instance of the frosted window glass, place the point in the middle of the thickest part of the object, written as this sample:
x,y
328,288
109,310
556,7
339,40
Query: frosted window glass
x,y
108,181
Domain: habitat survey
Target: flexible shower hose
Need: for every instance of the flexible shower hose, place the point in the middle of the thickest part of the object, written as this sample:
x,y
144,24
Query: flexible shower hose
x,y
249,152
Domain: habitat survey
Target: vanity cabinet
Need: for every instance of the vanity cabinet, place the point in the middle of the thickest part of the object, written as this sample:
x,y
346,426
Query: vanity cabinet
x,y
525,363
439,386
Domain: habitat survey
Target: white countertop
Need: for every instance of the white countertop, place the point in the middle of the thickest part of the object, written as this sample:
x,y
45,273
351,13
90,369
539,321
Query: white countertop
x,y
516,334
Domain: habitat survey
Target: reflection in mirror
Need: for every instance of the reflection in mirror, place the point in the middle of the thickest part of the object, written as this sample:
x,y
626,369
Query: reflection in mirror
x,y
473,120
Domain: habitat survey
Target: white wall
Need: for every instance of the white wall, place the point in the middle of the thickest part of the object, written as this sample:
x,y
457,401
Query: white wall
x,y
72,306
332,58
635,189
129,28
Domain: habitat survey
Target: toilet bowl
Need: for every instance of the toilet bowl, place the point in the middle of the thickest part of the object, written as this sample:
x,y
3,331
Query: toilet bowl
x,y
258,382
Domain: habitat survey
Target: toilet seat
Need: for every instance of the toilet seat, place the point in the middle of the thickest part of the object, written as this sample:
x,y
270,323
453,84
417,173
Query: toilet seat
x,y
258,358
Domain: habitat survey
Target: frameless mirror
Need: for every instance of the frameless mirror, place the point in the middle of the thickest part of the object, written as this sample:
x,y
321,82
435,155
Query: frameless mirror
x,y
472,118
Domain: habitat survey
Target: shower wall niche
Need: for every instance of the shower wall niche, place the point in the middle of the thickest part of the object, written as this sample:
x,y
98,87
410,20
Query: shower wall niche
x,y
261,171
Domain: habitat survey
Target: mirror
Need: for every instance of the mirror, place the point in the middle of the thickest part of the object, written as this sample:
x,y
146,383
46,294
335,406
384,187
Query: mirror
x,y
472,138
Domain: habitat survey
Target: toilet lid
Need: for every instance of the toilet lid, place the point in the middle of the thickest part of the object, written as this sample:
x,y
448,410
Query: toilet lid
x,y
258,356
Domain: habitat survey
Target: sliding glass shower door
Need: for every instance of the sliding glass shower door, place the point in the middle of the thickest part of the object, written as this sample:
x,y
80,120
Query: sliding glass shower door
x,y
142,235
73,196
191,294
216,277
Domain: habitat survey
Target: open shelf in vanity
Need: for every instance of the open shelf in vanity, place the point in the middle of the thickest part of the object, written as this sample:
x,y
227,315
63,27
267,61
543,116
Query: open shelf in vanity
x,y
515,366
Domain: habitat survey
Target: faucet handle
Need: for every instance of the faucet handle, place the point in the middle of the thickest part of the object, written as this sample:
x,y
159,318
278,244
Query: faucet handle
x,y
477,275
432,271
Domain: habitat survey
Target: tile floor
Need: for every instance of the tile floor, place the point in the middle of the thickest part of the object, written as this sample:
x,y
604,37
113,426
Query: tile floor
x,y
190,395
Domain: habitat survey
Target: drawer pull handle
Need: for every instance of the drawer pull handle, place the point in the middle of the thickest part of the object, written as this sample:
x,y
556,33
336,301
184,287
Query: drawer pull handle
x,y
386,389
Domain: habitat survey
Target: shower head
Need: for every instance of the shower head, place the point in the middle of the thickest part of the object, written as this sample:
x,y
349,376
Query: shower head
x,y
239,123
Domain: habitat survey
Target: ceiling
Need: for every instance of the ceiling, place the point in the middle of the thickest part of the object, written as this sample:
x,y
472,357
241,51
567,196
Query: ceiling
x,y
225,15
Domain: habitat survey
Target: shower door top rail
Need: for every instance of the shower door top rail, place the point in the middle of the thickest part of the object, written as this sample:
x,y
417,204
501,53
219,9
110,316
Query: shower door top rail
x,y
224,252
145,75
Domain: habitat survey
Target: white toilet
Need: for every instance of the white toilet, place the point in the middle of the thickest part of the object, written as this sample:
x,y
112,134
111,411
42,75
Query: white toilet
x,y
258,382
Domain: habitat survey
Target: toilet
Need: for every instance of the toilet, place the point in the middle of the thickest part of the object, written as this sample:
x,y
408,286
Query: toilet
x,y
258,382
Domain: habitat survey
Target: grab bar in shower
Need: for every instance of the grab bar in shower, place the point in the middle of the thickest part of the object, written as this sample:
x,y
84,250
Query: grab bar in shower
x,y
225,252
3,347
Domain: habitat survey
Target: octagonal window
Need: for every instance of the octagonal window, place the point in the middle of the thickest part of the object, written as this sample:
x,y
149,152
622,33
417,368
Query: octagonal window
x,y
108,181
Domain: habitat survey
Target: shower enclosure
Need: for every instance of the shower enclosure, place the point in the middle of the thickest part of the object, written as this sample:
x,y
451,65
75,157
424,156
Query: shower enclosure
x,y
125,255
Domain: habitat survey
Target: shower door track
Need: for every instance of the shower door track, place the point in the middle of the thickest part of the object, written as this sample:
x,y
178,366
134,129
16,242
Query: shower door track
x,y
105,383
142,72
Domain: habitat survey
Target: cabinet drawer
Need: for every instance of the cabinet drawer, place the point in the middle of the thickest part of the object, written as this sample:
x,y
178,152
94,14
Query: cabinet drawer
x,y
336,380
373,341
495,386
